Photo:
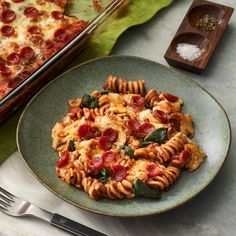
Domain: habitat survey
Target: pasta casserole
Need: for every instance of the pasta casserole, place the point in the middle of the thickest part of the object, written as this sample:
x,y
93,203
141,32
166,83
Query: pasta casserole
x,y
124,141
31,31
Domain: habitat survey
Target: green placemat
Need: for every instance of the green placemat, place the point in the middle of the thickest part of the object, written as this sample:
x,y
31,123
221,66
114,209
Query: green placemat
x,y
137,12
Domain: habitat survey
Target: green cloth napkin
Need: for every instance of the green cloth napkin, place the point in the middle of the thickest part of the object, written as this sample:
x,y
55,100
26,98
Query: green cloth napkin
x,y
137,12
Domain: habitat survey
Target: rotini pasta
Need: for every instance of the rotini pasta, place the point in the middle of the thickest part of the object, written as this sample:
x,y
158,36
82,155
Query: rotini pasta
x,y
152,97
119,85
123,143
118,190
163,152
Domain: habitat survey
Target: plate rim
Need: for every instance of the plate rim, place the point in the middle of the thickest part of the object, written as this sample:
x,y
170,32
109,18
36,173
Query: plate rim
x,y
166,209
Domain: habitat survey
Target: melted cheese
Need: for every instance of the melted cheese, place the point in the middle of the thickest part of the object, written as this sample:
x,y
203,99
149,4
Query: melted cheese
x,y
187,125
197,156
146,115
103,122
85,146
116,102
139,165
22,23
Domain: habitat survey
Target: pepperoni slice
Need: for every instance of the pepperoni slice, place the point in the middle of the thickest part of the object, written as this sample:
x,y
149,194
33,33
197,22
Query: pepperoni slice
x,y
170,97
80,25
63,159
85,131
13,58
7,30
31,12
27,53
153,170
137,101
8,16
185,156
36,40
146,128
60,35
132,125
14,82
104,143
34,30
108,158
161,116
96,163
119,172
175,124
6,72
5,5
24,74
60,3
49,44
111,134
57,15
2,64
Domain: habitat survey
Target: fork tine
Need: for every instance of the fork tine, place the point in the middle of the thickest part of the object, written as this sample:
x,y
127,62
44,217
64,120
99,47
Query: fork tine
x,y
2,208
9,195
5,204
6,199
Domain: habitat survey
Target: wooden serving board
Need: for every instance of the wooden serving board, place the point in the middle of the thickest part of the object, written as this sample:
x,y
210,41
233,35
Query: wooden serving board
x,y
188,32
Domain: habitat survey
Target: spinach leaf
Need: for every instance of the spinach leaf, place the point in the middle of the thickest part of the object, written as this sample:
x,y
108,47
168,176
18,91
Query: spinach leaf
x,y
157,136
145,143
128,151
106,91
141,189
89,101
103,176
147,105
72,146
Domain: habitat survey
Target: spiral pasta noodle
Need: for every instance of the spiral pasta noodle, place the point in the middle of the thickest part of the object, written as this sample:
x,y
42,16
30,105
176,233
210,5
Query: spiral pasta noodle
x,y
122,86
123,142
152,97
168,177
72,176
163,152
92,187
125,161
119,190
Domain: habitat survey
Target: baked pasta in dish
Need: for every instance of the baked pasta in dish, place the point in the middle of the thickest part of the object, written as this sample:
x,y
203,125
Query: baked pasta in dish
x,y
31,31
124,142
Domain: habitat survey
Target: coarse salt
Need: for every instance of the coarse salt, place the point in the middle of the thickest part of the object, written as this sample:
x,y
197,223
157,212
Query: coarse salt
x,y
188,51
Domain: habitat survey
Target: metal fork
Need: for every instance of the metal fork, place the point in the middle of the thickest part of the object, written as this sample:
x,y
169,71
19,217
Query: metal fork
x,y
15,206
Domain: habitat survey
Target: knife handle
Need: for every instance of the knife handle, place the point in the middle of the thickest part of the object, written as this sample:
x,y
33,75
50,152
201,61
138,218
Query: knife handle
x,y
73,227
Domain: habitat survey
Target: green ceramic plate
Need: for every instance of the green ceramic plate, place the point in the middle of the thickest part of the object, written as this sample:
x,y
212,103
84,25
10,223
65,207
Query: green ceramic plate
x,y
50,104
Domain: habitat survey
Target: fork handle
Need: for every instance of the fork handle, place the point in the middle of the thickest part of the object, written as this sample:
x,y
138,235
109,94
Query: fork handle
x,y
73,227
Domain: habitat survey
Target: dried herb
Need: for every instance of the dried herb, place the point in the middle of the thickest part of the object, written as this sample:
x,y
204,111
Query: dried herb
x,y
207,23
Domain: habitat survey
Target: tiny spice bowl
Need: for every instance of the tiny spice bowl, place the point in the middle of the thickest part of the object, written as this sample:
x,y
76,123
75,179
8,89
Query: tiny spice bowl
x,y
198,35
